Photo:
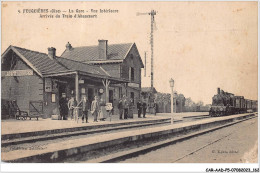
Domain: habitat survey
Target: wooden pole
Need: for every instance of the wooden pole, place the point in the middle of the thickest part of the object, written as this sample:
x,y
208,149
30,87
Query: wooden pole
x,y
107,90
106,83
144,64
77,87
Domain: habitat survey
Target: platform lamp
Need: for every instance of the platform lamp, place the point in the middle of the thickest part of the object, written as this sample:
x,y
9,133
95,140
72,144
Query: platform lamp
x,y
171,85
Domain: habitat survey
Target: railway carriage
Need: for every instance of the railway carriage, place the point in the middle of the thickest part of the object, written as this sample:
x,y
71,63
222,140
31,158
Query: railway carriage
x,y
254,105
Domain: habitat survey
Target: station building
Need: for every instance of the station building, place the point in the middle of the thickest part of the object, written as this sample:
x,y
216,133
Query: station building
x,y
121,61
38,80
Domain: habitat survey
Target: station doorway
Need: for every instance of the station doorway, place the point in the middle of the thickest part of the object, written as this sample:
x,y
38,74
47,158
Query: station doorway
x,y
111,96
62,90
90,94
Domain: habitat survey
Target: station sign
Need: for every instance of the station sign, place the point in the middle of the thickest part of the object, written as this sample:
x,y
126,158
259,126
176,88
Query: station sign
x,y
135,85
17,73
81,81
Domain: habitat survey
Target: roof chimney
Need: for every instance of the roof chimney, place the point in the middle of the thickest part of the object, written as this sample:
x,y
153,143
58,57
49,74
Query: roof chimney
x,y
68,46
218,90
102,49
51,52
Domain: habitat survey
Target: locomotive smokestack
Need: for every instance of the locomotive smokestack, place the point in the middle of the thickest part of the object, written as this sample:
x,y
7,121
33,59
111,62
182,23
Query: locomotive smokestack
x,y
218,90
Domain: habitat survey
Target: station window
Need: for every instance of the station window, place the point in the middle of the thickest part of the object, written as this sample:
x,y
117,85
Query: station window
x,y
132,72
124,71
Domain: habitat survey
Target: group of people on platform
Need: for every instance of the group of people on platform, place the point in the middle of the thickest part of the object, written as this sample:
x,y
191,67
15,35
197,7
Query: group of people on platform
x,y
125,108
98,108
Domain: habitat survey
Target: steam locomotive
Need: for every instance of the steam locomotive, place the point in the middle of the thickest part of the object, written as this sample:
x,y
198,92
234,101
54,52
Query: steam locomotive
x,y
224,103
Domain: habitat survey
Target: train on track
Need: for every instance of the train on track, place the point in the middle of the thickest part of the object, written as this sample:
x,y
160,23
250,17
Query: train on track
x,y
224,103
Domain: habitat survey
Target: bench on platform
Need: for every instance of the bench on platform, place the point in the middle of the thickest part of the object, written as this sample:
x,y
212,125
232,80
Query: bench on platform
x,y
35,109
17,111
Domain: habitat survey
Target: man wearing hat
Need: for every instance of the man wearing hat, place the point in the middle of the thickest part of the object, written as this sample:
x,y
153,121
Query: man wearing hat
x,y
85,105
71,104
95,108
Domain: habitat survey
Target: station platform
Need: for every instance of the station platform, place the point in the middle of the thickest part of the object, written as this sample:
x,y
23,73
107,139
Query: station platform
x,y
55,152
13,126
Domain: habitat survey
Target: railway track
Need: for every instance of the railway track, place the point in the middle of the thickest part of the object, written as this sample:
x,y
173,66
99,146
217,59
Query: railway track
x,y
112,150
126,154
208,144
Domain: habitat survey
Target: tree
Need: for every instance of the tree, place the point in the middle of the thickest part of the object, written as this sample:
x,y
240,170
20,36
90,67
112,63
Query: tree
x,y
200,103
188,102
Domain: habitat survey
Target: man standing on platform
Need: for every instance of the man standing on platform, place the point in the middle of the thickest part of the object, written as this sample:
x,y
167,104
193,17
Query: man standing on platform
x,y
63,108
71,104
144,106
120,108
155,108
95,108
125,105
130,109
85,106
139,108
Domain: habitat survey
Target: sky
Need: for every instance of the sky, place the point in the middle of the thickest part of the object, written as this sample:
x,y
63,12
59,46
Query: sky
x,y
201,45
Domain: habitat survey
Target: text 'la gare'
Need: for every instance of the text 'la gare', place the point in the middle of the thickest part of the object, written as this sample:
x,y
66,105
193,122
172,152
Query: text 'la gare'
x,y
76,11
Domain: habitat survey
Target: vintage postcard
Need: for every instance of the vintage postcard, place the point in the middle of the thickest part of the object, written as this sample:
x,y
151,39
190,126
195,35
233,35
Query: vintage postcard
x,y
130,82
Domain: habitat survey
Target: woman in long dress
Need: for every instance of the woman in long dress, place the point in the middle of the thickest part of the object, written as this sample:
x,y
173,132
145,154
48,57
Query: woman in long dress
x,y
103,111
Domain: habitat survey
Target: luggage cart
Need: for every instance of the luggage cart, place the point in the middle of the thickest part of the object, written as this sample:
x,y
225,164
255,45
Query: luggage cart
x,y
109,108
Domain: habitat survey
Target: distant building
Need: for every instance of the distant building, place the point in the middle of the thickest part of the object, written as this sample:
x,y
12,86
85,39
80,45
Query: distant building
x,y
163,100
148,95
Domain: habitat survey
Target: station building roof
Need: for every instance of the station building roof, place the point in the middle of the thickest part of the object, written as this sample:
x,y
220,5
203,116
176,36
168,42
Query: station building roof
x,y
115,53
43,65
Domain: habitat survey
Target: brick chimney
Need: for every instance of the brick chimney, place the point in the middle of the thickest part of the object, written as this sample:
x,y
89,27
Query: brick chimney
x,y
102,49
218,90
51,52
68,46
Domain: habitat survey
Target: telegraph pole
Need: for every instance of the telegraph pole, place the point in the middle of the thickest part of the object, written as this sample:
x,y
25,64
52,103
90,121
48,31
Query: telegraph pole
x,y
144,64
152,14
